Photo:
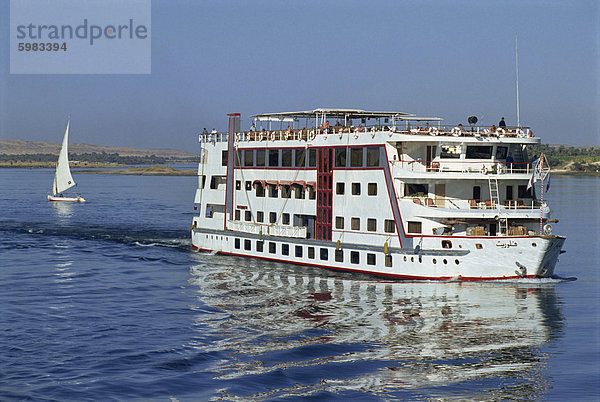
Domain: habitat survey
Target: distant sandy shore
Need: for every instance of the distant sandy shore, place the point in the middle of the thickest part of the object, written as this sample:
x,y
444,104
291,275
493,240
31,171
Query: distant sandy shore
x,y
145,171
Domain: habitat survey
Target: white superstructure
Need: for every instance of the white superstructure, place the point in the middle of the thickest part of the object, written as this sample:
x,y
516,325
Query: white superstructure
x,y
385,193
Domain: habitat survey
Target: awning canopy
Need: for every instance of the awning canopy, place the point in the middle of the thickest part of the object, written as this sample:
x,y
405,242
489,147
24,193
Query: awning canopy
x,y
330,113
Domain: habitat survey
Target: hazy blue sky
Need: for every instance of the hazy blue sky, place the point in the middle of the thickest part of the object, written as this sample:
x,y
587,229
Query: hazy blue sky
x,y
450,59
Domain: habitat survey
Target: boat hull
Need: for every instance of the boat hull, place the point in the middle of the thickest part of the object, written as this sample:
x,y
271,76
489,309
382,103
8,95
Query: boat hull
x,y
66,199
523,260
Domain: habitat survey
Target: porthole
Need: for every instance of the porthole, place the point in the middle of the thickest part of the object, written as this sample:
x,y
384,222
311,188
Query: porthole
x,y
456,262
405,258
434,261
478,246
445,261
533,245
412,259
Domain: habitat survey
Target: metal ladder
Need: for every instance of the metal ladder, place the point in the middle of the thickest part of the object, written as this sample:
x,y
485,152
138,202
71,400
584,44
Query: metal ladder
x,y
495,199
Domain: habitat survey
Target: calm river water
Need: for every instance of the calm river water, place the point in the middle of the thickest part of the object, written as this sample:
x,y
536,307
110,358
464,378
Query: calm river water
x,y
106,300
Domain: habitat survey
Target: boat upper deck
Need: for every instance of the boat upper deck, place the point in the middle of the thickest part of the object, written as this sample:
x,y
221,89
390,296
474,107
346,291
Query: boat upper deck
x,y
371,125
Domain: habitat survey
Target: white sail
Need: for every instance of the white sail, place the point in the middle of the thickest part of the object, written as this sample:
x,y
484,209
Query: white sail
x,y
62,178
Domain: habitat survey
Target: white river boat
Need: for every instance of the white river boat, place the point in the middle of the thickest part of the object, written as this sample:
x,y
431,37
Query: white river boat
x,y
384,193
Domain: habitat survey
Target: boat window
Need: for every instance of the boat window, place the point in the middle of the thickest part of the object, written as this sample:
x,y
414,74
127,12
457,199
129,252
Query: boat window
x,y
300,157
272,190
285,219
340,188
509,192
248,216
389,226
339,222
339,255
286,157
324,254
260,190
372,224
273,157
272,247
224,158
299,251
298,192
285,249
272,217
371,259
414,227
413,189
237,215
354,257
311,252
247,245
356,157
260,157
203,180
372,189
355,224
286,191
523,192
216,182
260,216
450,151
446,244
478,246
249,157
248,185
501,152
312,194
312,158
476,192
340,157
355,188
259,246
372,156
479,152
236,243
388,260
238,184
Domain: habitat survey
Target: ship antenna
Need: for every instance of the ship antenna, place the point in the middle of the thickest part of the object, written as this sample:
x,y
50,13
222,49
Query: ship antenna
x,y
517,72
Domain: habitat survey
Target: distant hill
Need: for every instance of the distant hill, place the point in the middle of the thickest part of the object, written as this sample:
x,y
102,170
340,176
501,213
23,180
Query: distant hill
x,y
20,147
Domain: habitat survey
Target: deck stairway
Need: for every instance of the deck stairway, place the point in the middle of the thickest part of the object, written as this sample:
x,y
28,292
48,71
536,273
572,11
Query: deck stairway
x,y
495,201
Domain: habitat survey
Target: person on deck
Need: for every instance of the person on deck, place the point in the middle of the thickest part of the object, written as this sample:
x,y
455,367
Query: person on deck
x,y
509,162
253,127
502,123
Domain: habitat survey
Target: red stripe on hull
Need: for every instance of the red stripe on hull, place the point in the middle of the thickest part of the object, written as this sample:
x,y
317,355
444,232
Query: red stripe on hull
x,y
379,274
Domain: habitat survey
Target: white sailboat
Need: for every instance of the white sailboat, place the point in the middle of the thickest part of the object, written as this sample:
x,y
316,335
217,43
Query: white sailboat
x,y
62,178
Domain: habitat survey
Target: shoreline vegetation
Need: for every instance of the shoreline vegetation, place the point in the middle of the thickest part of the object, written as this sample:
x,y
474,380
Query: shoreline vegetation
x,y
97,159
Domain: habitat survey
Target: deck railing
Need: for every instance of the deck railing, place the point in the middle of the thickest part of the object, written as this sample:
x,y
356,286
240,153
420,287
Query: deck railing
x,y
308,134
267,229
481,204
463,166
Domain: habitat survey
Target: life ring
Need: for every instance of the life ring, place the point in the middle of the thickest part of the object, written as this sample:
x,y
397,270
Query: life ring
x,y
520,133
500,130
484,170
433,130
260,136
455,131
547,229
286,136
272,136
237,137
356,134
372,132
312,135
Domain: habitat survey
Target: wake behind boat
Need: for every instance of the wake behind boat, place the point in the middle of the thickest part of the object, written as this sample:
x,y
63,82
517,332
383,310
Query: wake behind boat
x,y
62,177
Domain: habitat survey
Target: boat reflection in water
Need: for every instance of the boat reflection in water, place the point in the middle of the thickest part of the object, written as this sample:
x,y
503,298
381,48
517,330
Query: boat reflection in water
x,y
333,332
